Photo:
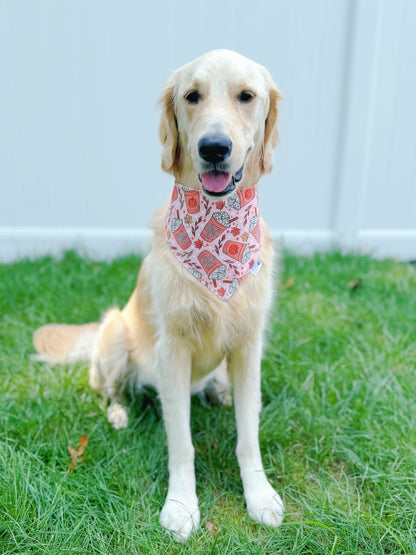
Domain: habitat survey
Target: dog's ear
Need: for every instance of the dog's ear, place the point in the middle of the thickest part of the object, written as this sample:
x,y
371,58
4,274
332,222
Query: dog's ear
x,y
168,130
271,134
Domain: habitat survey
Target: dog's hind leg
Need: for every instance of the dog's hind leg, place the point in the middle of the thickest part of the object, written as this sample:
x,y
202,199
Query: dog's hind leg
x,y
216,386
108,370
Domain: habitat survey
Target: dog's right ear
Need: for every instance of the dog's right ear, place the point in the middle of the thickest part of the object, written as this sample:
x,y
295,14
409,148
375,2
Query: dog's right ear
x,y
168,130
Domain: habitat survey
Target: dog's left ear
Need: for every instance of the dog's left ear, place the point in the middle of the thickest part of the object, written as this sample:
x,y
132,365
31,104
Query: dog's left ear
x,y
168,130
271,134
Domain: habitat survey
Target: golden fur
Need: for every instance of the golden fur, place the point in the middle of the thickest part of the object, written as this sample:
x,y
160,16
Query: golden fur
x,y
173,333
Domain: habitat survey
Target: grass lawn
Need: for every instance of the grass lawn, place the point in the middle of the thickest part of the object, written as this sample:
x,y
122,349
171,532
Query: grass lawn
x,y
338,427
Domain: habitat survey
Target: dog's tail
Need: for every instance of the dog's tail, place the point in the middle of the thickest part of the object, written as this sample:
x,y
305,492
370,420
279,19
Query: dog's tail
x,y
65,343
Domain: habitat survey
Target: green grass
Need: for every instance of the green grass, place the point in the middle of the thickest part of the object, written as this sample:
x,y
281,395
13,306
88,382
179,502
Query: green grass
x,y
337,430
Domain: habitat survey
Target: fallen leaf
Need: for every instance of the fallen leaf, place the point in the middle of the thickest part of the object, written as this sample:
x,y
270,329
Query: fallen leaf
x,y
76,454
83,442
289,283
354,284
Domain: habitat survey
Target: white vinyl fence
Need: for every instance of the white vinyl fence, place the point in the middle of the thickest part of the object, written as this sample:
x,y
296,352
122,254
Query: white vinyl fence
x,y
79,83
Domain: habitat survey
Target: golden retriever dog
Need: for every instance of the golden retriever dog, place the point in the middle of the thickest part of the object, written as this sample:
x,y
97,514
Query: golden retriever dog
x,y
198,313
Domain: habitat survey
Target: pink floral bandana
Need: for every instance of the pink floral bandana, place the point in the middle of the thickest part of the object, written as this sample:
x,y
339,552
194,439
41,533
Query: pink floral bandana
x,y
218,241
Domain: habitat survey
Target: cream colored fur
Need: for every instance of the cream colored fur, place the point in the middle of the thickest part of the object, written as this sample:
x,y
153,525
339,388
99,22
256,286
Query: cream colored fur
x,y
174,334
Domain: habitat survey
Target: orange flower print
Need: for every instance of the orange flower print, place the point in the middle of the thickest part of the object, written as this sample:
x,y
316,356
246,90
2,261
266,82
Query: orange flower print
x,y
221,291
220,205
235,231
198,244
244,237
188,219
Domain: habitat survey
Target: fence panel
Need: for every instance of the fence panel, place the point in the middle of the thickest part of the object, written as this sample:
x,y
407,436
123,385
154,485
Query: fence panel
x,y
79,153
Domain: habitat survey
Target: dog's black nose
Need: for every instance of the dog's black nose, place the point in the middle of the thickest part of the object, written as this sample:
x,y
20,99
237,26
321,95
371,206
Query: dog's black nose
x,y
214,148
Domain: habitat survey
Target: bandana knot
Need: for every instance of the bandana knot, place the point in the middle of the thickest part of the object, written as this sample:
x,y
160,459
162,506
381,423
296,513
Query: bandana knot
x,y
217,241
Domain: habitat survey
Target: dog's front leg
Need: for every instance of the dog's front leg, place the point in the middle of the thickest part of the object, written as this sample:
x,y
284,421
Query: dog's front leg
x,y
180,513
263,503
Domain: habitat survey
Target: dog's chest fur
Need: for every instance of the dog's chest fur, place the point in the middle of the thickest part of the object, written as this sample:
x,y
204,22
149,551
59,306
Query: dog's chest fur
x,y
208,333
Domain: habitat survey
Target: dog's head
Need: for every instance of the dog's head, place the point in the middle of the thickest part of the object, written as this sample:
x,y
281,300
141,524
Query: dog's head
x,y
218,122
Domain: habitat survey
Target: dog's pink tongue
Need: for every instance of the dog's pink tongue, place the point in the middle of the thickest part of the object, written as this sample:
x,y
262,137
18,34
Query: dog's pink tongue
x,y
215,182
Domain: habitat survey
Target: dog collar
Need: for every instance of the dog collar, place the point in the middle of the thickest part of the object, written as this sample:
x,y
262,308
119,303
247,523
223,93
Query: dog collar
x,y
217,241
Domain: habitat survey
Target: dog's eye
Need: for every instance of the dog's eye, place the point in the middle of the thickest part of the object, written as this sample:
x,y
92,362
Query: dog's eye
x,y
245,97
193,97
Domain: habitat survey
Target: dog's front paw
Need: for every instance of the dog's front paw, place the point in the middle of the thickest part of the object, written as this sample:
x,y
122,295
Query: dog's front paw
x,y
117,416
265,506
180,518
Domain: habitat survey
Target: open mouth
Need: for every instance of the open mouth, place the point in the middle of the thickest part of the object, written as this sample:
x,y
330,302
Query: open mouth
x,y
217,183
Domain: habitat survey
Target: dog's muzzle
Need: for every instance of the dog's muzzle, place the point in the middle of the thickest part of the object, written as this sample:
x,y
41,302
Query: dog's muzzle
x,y
214,150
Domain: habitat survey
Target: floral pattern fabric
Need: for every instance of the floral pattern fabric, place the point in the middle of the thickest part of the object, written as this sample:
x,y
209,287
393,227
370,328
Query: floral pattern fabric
x,y
218,241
